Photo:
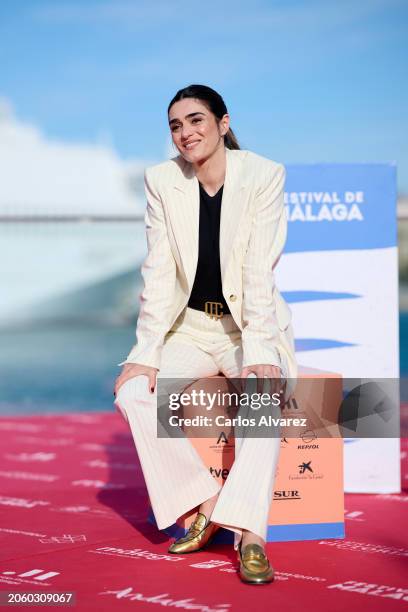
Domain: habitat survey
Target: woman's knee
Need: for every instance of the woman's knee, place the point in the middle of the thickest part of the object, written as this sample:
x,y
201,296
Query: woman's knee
x,y
133,389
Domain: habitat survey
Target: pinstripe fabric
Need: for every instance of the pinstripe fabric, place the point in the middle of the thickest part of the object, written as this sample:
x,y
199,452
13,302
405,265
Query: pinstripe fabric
x,y
252,235
176,478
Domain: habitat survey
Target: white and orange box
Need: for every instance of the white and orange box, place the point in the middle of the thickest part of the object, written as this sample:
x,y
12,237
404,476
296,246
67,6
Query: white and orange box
x,y
308,500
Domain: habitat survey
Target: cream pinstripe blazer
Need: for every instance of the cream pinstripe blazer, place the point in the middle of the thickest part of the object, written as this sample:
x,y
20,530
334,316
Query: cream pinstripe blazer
x,y
253,230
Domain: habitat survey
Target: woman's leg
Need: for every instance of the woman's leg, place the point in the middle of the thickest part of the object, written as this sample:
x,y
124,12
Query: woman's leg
x,y
176,478
245,499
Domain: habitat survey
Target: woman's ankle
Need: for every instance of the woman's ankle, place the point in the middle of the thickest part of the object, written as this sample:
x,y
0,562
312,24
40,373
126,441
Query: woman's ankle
x,y
208,506
251,538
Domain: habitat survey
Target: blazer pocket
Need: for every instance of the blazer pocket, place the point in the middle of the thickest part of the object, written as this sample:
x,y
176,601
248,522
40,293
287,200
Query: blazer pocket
x,y
283,312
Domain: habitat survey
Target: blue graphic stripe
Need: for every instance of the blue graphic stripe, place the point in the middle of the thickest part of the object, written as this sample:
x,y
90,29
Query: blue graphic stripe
x,y
306,531
293,297
317,344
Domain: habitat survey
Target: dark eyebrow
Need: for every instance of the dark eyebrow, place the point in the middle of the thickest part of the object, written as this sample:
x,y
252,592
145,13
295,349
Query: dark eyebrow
x,y
186,117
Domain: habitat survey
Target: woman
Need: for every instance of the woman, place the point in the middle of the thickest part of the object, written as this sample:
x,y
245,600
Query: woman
x,y
216,226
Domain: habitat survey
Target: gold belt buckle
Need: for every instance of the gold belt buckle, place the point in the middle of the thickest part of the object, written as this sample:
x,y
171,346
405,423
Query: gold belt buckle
x,y
212,310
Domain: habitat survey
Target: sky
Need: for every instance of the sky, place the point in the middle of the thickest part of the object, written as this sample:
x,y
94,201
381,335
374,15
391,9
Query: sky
x,y
303,81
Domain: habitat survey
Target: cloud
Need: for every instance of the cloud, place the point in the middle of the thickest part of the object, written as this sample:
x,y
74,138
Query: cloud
x,y
52,177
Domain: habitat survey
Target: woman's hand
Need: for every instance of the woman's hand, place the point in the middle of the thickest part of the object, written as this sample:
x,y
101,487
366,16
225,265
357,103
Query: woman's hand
x,y
263,371
130,370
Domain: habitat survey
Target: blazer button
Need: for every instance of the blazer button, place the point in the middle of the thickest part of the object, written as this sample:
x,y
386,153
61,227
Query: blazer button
x,y
232,297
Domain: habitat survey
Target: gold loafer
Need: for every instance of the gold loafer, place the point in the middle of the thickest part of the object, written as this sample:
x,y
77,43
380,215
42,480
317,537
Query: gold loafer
x,y
254,565
198,535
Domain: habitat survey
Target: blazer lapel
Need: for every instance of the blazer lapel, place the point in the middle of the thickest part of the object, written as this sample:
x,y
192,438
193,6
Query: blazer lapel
x,y
184,212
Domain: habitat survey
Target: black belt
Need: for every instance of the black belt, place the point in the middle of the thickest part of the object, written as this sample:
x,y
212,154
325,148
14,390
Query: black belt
x,y
213,309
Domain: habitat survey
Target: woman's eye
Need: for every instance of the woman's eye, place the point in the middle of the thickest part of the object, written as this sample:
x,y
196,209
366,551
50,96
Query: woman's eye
x,y
176,127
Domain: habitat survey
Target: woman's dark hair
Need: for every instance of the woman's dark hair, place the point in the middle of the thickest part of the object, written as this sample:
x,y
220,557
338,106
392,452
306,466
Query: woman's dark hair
x,y
213,101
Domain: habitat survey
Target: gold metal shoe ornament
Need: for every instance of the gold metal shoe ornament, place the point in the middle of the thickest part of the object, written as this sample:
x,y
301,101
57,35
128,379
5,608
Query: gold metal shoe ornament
x,y
198,535
254,565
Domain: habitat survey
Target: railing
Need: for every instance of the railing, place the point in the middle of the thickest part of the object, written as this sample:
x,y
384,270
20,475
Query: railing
x,y
402,215
81,218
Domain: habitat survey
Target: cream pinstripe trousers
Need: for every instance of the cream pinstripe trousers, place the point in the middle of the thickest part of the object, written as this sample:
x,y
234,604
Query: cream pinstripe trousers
x,y
176,478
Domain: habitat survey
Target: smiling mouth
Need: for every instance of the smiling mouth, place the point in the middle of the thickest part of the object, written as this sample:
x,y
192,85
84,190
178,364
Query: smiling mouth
x,y
191,145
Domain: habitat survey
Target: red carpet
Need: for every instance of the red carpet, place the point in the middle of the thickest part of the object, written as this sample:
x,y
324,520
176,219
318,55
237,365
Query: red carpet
x,y
73,511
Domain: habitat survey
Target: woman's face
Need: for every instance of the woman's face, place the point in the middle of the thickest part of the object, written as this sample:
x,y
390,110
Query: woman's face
x,y
192,123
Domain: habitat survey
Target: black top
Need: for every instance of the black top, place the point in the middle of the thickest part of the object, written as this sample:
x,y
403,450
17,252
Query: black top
x,y
207,282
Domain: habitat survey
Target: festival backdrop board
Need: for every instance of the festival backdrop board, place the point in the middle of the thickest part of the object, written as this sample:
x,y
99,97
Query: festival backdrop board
x,y
339,274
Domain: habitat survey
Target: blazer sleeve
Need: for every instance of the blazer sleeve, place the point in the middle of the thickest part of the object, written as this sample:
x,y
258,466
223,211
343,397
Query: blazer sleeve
x,y
260,334
159,274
